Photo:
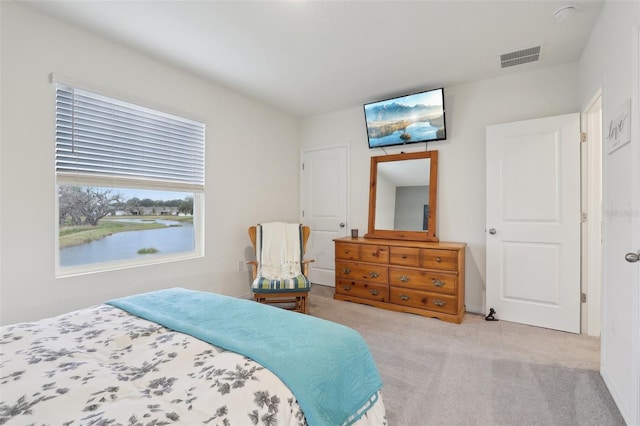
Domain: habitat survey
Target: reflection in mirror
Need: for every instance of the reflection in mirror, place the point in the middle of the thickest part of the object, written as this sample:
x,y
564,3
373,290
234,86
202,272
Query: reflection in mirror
x,y
402,196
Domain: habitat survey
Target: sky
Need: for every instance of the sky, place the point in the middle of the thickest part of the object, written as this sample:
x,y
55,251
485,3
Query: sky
x,y
154,195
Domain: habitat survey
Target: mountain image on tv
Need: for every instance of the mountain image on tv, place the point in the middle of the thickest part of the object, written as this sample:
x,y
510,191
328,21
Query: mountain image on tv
x,y
406,120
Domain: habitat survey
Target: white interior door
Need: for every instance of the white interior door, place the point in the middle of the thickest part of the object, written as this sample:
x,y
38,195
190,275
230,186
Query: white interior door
x,y
620,341
324,208
533,222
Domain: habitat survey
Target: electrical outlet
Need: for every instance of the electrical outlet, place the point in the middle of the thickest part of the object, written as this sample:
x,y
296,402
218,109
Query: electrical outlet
x,y
240,265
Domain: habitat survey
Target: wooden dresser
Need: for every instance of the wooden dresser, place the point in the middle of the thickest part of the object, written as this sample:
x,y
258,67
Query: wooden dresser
x,y
425,278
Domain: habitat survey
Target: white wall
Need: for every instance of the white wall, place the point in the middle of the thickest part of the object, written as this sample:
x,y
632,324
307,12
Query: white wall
x,y
461,163
242,136
606,61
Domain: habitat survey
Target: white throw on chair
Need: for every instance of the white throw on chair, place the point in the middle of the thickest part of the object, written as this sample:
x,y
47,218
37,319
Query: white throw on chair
x,y
280,272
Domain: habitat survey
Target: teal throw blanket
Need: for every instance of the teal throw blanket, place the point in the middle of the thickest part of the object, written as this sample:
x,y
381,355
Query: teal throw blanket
x,y
328,366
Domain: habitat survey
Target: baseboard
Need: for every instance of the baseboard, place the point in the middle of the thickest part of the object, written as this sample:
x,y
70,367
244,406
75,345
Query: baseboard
x,y
615,395
473,309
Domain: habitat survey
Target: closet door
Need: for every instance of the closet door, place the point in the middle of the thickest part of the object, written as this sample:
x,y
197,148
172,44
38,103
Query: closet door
x,y
324,208
533,222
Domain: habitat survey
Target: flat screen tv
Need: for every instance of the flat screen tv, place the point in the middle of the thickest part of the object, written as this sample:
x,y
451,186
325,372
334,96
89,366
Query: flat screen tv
x,y
414,118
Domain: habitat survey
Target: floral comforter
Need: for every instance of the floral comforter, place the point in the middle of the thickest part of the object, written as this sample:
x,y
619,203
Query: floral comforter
x,y
103,366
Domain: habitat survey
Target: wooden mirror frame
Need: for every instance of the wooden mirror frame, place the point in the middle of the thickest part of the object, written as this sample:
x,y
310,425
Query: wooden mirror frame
x,y
430,233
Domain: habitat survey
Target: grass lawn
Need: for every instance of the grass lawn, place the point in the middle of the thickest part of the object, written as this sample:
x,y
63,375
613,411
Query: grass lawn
x,y
75,235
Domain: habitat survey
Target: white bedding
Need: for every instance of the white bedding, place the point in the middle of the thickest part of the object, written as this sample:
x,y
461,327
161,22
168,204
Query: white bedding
x,y
103,366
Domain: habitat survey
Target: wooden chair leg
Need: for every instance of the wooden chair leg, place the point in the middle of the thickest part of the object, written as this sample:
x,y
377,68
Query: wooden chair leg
x,y
294,302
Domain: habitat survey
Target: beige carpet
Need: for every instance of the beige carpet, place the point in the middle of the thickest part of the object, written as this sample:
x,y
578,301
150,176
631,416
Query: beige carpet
x,y
478,372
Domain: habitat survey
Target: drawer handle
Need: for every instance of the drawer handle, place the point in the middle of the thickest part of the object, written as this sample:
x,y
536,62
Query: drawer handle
x,y
375,253
404,278
439,302
437,283
404,297
374,292
346,270
404,256
346,251
346,287
438,259
374,274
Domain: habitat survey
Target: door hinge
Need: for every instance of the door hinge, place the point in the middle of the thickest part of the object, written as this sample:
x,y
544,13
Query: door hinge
x,y
302,166
583,136
583,217
302,213
583,297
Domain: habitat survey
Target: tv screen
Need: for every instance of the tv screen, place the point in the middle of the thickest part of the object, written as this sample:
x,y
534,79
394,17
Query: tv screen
x,y
407,119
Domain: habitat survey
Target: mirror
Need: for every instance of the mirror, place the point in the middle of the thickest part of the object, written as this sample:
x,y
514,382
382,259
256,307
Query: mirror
x,y
402,196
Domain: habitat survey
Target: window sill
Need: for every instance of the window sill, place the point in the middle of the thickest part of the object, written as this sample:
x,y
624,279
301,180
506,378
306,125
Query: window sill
x,y
73,271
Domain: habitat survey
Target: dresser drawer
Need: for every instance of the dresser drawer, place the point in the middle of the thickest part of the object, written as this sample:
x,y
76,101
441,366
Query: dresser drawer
x,y
347,251
446,260
372,291
361,272
422,299
405,256
423,280
374,254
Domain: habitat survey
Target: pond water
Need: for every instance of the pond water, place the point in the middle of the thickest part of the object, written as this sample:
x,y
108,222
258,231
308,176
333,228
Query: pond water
x,y
125,245
419,131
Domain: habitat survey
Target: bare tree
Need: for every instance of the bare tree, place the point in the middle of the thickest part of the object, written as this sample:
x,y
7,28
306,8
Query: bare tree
x,y
69,196
86,204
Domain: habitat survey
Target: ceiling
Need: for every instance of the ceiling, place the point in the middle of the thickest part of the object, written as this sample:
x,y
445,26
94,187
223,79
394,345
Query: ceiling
x,y
312,57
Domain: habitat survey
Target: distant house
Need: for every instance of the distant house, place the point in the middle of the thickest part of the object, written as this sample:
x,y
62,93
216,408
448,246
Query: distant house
x,y
151,211
166,211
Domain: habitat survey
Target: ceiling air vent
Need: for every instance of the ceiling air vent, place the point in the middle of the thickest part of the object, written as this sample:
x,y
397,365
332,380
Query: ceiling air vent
x,y
518,57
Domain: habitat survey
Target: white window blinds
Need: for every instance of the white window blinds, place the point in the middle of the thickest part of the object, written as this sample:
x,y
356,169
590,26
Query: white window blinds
x,y
98,137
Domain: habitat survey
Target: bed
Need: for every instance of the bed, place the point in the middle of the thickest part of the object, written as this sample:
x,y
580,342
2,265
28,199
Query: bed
x,y
184,357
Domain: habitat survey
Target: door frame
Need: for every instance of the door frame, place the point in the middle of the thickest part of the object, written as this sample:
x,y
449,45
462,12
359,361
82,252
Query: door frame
x,y
591,206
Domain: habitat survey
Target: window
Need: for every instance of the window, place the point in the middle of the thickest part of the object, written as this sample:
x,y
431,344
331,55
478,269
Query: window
x,y
130,183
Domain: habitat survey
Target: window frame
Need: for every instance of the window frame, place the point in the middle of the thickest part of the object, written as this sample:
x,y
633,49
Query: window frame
x,y
82,179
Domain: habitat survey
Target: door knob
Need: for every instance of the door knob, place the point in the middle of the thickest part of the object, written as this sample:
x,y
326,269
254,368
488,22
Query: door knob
x,y
342,225
632,257
492,231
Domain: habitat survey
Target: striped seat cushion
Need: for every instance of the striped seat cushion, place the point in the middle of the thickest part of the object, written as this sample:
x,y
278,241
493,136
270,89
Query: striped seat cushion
x,y
265,285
